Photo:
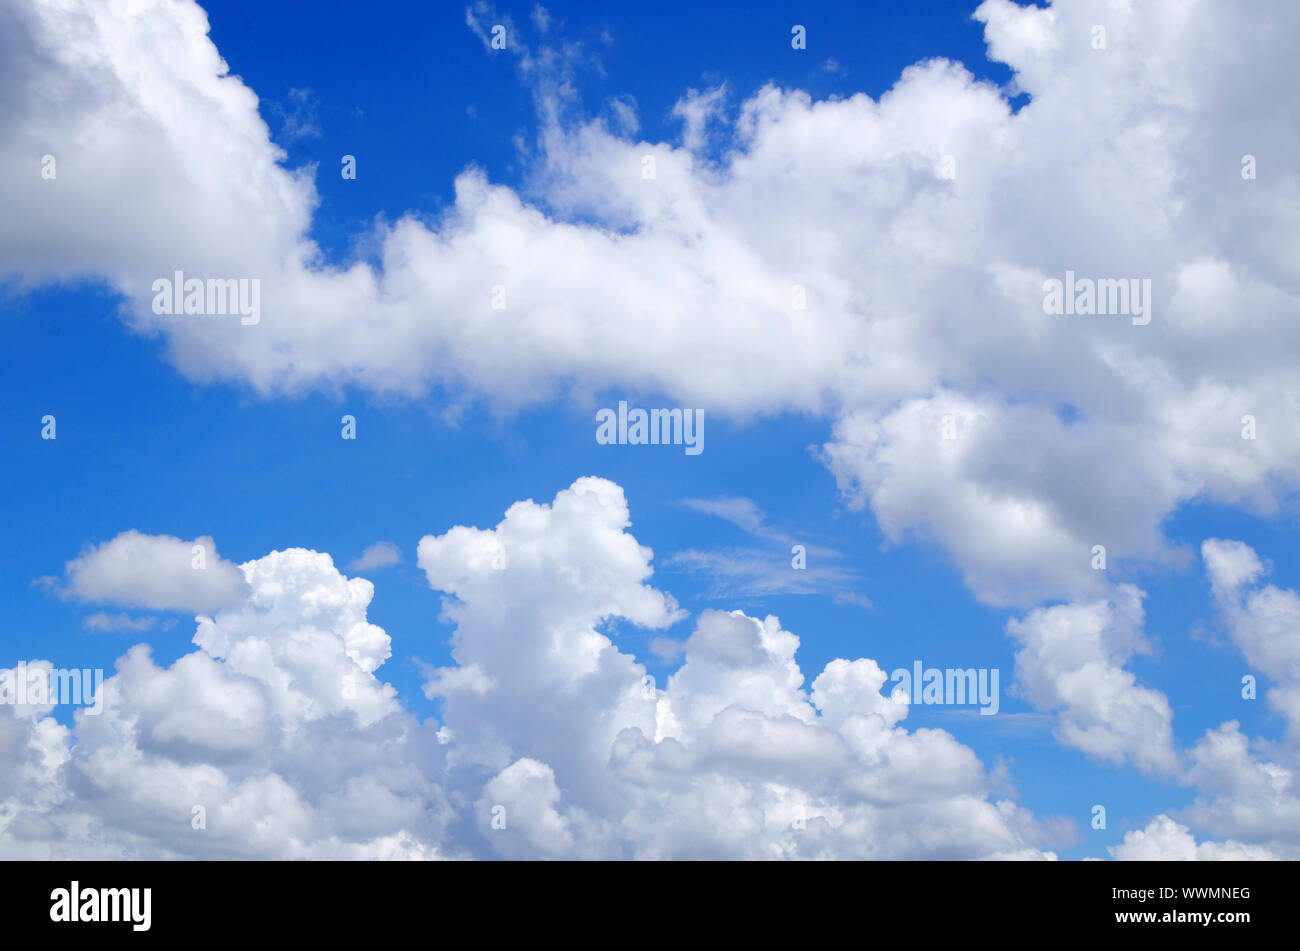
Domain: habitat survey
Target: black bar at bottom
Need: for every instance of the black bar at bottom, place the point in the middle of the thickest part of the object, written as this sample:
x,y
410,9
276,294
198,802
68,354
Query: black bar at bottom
x,y
378,901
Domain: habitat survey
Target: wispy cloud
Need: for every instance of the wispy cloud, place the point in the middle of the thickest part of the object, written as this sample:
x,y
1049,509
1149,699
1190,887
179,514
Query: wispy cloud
x,y
783,564
378,555
103,621
299,115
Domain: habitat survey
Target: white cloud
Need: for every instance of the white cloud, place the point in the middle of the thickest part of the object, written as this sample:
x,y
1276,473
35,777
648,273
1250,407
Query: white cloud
x,y
378,555
924,292
769,568
1072,661
696,110
732,757
277,725
103,621
1004,494
666,649
299,115
1262,621
1249,791
1165,840
156,572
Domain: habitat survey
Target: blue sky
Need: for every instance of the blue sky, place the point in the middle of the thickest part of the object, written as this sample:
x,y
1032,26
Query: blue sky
x,y
410,90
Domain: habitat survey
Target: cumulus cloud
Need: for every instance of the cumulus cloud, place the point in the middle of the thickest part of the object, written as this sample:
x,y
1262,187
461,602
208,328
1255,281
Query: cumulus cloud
x,y
1165,840
276,738
733,756
1262,621
156,572
272,739
1249,790
1071,661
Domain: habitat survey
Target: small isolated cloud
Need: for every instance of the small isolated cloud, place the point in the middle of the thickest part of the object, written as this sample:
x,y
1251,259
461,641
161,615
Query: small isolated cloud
x,y
378,555
299,115
156,573
103,621
742,513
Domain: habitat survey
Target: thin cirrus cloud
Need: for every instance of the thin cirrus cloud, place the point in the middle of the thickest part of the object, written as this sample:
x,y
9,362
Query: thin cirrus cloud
x,y
775,567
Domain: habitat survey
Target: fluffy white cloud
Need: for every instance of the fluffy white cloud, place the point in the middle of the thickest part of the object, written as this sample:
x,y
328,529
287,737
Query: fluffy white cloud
x,y
1246,794
33,751
157,572
1165,840
555,744
1262,621
924,291
732,757
272,739
1249,790
1072,660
